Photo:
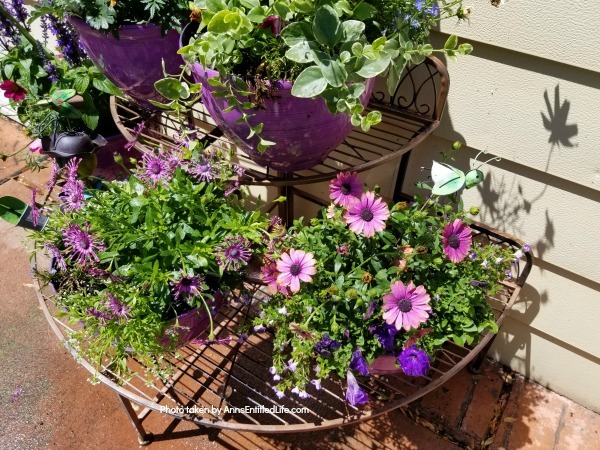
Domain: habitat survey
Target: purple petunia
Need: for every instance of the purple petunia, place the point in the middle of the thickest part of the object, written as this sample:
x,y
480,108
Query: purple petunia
x,y
354,394
233,253
346,188
326,346
386,335
82,245
359,363
414,362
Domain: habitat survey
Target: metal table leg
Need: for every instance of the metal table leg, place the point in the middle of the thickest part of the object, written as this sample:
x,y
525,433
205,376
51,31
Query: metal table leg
x,y
143,437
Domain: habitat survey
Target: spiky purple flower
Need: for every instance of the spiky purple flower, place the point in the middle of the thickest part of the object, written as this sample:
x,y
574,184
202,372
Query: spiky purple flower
x,y
233,253
156,168
137,130
100,315
186,285
234,187
81,244
119,310
203,170
72,196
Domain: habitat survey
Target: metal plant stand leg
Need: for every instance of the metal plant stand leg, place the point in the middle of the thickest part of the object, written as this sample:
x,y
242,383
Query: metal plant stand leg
x,y
475,366
143,437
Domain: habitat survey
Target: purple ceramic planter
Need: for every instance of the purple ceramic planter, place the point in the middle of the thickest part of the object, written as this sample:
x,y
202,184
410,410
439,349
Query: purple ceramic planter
x,y
304,130
134,61
193,322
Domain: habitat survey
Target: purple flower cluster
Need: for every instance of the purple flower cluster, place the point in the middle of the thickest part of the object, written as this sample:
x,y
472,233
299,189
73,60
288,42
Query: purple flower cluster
x,y
326,346
67,40
49,68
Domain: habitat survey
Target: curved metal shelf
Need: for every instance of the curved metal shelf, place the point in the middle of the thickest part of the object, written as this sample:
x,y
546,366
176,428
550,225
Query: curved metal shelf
x,y
409,116
235,374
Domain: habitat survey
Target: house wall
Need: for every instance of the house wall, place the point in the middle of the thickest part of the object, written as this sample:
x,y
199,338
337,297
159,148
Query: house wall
x,y
530,93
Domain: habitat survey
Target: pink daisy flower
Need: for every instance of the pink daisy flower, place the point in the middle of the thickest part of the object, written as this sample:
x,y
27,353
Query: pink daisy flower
x,y
345,188
295,267
269,274
367,215
407,306
457,240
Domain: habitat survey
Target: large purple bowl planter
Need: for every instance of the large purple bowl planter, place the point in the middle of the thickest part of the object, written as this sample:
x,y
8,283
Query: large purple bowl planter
x,y
304,130
134,61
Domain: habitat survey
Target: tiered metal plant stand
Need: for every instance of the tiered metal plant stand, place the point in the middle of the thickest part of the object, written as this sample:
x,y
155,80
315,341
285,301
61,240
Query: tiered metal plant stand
x,y
228,385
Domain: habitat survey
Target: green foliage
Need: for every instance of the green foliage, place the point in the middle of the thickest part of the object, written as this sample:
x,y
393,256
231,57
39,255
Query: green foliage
x,y
347,281
46,100
153,234
330,48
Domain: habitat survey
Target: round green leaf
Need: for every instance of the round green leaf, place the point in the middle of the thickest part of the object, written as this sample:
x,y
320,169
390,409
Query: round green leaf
x,y
309,83
169,88
352,30
326,26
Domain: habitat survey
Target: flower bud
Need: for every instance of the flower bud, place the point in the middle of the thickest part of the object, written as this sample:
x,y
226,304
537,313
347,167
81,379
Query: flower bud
x,y
474,210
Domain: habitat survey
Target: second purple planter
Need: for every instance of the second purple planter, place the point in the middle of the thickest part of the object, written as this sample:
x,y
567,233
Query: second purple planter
x,y
304,130
134,61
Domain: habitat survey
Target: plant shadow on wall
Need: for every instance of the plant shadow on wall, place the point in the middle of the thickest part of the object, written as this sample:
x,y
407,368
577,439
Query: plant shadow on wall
x,y
555,122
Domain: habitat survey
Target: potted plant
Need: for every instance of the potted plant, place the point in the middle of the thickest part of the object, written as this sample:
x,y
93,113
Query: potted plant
x,y
129,41
140,265
287,80
367,288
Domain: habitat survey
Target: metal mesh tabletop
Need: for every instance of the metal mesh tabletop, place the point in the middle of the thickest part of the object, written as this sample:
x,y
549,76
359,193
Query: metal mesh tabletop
x,y
227,385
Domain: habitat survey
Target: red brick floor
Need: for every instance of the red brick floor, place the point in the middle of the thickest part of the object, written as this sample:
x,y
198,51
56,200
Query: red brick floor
x,y
59,409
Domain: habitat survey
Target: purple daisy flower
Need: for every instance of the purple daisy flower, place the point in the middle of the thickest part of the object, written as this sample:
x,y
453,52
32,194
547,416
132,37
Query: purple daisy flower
x,y
359,363
407,306
367,215
203,170
156,168
326,346
295,267
233,253
72,167
82,245
414,362
354,394
135,135
345,188
118,309
457,240
186,286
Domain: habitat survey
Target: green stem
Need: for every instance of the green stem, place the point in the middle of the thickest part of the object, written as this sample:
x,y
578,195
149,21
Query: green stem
x,y
22,30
